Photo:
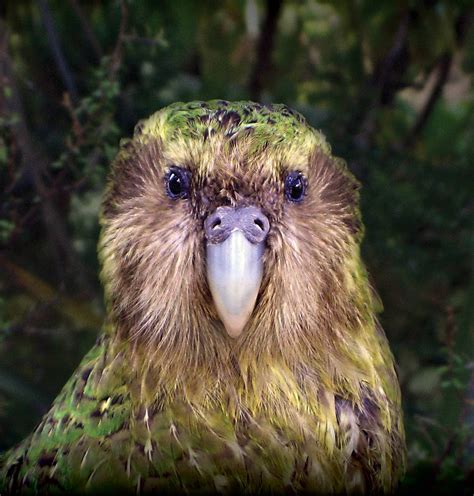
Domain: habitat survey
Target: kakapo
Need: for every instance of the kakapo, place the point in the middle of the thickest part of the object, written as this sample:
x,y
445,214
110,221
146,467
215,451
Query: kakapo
x,y
241,350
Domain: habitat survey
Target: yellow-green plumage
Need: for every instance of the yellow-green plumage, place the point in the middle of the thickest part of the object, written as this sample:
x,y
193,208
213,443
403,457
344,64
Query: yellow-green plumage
x,y
306,399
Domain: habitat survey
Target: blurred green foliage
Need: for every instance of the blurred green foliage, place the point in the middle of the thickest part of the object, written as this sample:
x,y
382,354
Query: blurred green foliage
x,y
389,83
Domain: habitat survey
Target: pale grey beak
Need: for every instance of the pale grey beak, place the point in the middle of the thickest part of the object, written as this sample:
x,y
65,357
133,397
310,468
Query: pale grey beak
x,y
235,246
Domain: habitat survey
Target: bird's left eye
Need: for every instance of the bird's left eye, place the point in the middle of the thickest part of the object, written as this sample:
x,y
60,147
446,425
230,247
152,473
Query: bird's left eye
x,y
295,186
177,183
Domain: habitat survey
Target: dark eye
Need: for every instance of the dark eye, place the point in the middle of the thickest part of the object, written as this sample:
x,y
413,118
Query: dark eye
x,y
177,183
295,186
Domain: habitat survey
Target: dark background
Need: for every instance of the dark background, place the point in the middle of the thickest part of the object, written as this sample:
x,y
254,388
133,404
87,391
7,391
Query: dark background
x,y
388,82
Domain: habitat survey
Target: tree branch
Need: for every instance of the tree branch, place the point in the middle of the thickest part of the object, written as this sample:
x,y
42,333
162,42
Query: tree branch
x,y
34,163
468,413
79,312
443,68
86,28
118,49
56,49
263,62
380,85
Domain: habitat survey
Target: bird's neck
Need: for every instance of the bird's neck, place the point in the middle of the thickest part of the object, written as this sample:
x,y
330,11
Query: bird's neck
x,y
242,384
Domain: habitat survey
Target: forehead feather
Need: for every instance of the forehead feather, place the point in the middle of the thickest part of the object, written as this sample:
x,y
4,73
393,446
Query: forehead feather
x,y
217,124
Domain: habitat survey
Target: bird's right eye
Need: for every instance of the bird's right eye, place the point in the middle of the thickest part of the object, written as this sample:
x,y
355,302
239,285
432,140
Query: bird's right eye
x,y
177,181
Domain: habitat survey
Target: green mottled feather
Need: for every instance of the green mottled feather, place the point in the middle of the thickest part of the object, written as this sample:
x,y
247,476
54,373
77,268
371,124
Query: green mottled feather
x,y
97,437
201,119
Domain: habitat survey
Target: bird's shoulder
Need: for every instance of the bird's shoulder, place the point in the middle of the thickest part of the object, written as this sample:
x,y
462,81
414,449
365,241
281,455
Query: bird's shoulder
x,y
78,432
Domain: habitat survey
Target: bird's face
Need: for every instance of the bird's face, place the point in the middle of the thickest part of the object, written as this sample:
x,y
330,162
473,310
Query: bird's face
x,y
226,221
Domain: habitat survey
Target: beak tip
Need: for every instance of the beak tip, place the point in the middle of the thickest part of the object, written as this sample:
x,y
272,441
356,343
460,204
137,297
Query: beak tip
x,y
234,327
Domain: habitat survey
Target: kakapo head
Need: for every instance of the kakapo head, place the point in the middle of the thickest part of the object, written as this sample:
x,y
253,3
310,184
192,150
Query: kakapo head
x,y
231,226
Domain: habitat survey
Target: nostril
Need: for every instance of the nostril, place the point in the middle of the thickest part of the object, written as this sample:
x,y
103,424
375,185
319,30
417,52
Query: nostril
x,y
225,220
216,223
259,223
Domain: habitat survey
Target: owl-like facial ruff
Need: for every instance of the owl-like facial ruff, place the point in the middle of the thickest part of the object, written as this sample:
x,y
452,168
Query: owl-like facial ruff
x,y
203,166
